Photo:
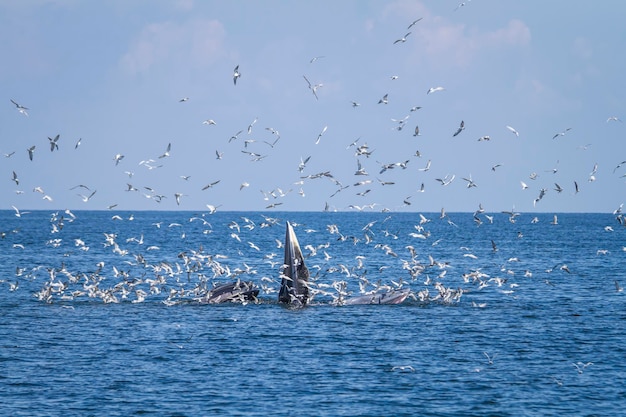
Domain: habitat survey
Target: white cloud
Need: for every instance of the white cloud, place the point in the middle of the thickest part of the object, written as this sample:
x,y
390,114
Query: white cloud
x,y
443,43
457,45
196,43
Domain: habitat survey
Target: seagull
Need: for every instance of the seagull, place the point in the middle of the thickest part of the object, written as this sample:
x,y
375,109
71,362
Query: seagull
x,y
460,129
558,188
15,179
426,168
403,368
315,58
313,88
447,180
581,366
212,208
610,119
353,143
360,170
31,152
182,100
434,89
413,23
236,74
53,143
87,198
210,122
490,359
19,214
303,163
402,39
210,185
250,125
118,158
417,131
459,6
384,99
177,196
618,166
233,137
20,108
320,135
78,143
561,133
167,151
515,132
484,138
355,104
470,182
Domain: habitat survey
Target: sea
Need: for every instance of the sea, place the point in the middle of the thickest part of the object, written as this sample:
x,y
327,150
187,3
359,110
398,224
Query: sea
x,y
509,314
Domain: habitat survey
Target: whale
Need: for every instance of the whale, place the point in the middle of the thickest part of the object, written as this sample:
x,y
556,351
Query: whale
x,y
294,290
294,285
383,297
239,291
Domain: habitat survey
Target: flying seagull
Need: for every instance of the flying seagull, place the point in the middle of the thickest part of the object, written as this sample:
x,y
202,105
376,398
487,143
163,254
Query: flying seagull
x,y
515,132
460,129
312,87
561,133
413,23
54,143
31,152
320,135
236,74
20,108
402,39
434,89
167,151
315,58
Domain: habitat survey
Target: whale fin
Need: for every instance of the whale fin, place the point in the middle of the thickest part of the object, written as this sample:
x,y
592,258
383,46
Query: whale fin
x,y
295,275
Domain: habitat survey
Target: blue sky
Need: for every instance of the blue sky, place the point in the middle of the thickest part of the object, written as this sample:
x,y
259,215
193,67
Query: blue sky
x,y
113,73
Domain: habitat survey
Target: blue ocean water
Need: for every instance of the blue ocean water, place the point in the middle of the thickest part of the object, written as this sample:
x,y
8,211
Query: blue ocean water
x,y
509,316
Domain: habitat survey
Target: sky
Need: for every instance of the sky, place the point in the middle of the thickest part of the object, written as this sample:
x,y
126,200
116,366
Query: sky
x,y
305,127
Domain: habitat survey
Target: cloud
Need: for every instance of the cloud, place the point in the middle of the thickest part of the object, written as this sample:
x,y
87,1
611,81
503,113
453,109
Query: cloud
x,y
444,43
457,45
196,43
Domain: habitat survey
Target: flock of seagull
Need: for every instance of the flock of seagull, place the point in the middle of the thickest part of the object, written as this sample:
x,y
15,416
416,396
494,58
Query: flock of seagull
x,y
275,197
136,278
